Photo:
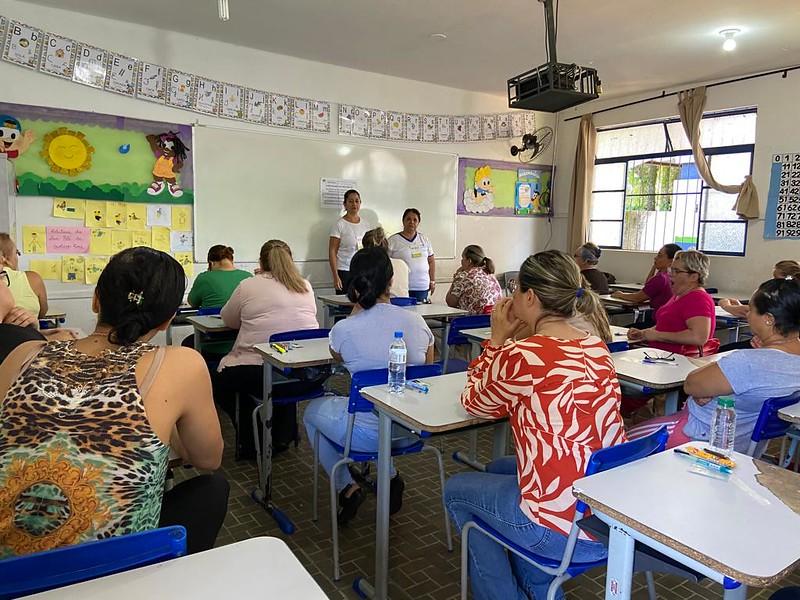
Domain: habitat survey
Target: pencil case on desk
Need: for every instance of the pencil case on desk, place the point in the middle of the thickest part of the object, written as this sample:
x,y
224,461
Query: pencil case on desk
x,y
710,456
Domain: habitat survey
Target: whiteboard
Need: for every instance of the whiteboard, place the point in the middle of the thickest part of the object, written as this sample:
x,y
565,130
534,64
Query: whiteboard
x,y
251,187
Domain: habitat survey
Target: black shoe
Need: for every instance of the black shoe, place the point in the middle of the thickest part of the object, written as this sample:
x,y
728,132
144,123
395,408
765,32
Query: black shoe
x,y
396,487
348,505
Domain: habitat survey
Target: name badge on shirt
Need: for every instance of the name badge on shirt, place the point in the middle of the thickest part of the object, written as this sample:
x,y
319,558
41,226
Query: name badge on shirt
x,y
416,255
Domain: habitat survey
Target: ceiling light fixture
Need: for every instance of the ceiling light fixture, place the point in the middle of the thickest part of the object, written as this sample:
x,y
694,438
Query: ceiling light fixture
x,y
439,37
224,12
729,45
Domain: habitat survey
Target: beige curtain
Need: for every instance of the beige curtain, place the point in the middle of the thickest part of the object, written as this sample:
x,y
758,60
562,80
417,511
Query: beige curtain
x,y
582,177
690,105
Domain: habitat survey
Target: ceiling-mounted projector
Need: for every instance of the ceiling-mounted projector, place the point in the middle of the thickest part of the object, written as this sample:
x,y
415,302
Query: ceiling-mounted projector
x,y
553,86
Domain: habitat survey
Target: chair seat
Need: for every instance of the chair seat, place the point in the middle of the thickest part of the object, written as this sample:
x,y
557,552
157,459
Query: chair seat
x,y
456,365
318,393
356,456
574,569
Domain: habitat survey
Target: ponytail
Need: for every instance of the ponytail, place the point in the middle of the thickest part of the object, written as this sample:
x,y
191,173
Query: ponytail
x,y
371,275
276,259
475,255
591,308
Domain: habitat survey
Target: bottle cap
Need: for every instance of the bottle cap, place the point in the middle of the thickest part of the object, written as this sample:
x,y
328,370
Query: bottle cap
x,y
398,334
726,402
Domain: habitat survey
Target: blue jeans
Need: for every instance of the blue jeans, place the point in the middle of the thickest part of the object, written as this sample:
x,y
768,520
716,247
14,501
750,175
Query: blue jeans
x,y
420,295
494,496
329,415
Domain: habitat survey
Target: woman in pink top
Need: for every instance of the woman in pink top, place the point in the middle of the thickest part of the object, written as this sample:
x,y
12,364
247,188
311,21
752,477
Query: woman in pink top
x,y
656,290
685,324
277,299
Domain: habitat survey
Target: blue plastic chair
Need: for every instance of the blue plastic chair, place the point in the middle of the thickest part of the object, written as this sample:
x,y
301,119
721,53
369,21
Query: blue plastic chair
x,y
769,425
358,404
209,311
403,301
456,337
284,336
33,573
564,569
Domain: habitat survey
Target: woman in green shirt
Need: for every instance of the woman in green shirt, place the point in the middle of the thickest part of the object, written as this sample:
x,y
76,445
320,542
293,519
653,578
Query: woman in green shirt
x,y
213,288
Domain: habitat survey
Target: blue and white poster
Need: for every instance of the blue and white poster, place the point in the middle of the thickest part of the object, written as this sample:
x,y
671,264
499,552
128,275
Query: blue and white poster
x,y
783,201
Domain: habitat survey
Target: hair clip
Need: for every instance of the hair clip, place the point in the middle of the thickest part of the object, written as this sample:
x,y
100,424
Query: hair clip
x,y
789,278
136,297
580,292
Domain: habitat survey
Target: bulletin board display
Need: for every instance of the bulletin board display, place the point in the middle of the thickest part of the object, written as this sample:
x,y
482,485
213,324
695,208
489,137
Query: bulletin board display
x,y
77,154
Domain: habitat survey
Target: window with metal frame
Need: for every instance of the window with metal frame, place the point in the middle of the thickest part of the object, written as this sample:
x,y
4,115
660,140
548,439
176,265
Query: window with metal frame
x,y
647,191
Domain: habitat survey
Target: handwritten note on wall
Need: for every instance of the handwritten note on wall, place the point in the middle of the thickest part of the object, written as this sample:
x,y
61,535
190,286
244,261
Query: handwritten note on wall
x,y
67,240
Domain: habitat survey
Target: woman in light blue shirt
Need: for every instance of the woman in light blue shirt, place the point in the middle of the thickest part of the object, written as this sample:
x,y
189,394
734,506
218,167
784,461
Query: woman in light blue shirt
x,y
362,342
750,376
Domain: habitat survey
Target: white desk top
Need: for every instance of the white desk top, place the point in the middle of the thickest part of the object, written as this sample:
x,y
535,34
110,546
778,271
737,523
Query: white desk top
x,y
242,570
335,299
626,287
660,375
721,313
790,413
208,323
607,299
310,353
480,334
437,411
737,527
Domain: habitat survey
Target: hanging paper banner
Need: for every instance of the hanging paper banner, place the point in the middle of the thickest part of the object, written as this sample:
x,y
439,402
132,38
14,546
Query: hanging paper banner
x,y
474,128
444,131
459,129
346,119
232,101
301,113
256,106
23,44
206,97
90,66
413,128
58,56
322,116
279,110
517,124
428,128
179,89
395,125
503,126
377,123
152,83
121,74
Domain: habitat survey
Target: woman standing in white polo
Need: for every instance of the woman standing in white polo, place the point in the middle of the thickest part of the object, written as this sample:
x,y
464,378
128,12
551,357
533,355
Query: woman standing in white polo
x,y
345,240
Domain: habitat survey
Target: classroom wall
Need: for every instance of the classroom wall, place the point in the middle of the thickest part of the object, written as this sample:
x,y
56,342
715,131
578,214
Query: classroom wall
x,y
507,240
777,130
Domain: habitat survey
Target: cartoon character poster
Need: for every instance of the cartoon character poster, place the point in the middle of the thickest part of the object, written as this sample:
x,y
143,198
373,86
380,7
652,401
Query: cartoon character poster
x,y
75,154
494,188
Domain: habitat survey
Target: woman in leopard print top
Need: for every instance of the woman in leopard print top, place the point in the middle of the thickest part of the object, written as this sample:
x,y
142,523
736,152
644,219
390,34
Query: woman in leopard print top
x,y
86,425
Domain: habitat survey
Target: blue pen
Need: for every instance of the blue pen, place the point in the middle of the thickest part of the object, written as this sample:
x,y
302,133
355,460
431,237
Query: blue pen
x,y
711,466
420,387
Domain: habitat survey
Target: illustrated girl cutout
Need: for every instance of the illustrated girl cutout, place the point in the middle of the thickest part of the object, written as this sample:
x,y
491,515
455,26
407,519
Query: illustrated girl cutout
x,y
480,198
170,154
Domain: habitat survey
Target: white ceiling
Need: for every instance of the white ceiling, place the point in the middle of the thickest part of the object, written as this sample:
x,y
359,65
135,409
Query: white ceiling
x,y
635,44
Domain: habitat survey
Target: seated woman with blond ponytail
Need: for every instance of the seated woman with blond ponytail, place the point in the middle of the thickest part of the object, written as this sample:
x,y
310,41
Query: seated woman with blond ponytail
x,y
474,288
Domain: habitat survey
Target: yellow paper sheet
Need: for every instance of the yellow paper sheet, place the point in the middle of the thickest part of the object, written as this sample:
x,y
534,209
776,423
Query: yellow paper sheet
x,y
33,239
161,240
181,218
137,216
48,269
95,213
141,238
67,208
120,240
117,214
187,262
100,242
94,266
73,269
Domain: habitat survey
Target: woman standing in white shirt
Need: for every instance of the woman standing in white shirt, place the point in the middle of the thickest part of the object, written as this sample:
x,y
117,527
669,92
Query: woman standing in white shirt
x,y
416,251
377,238
345,240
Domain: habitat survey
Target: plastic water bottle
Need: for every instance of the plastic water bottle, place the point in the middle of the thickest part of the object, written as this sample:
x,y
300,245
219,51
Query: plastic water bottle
x,y
723,426
397,364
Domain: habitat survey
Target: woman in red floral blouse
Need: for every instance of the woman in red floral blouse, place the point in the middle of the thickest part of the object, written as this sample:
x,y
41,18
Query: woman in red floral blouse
x,y
474,288
560,392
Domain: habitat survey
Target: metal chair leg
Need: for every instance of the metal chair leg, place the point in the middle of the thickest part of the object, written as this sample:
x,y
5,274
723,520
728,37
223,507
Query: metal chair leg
x,y
334,518
315,498
447,532
465,559
256,437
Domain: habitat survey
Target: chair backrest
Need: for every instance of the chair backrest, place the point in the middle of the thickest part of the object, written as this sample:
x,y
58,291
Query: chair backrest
x,y
208,310
403,301
622,454
362,379
24,575
459,324
769,425
299,334
508,276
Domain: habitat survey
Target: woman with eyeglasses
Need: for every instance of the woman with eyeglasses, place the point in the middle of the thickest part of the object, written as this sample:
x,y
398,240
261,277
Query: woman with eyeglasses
x,y
559,389
751,376
686,323
26,287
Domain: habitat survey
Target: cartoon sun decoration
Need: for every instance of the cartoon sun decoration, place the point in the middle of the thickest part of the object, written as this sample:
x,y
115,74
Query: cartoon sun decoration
x,y
66,151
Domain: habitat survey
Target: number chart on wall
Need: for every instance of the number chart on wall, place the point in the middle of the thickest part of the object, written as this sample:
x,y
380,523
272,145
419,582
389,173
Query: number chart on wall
x,y
783,201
